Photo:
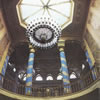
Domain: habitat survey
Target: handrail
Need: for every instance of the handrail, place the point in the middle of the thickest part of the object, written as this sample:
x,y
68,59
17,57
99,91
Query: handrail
x,y
76,86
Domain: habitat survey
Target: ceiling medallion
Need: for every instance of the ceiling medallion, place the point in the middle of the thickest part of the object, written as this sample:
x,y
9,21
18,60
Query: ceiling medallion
x,y
43,32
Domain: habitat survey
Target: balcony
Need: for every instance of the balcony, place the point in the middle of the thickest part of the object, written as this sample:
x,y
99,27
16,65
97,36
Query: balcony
x,y
53,91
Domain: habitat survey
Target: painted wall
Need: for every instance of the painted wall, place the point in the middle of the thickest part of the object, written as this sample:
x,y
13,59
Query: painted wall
x,y
4,41
92,32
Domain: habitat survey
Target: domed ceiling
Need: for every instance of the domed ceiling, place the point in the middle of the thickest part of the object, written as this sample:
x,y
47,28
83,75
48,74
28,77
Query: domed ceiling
x,y
60,10
73,16
75,54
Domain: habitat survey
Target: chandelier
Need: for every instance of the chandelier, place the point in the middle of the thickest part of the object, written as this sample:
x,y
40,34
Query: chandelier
x,y
43,32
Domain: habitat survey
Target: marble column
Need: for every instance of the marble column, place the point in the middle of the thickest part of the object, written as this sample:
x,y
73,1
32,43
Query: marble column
x,y
28,90
64,70
90,65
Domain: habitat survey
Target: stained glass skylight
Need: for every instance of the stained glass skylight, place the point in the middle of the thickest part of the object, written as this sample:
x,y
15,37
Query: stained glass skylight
x,y
60,10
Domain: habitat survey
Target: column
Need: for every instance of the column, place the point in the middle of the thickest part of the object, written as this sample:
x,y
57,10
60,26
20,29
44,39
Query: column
x,y
4,68
28,89
64,70
91,64
4,63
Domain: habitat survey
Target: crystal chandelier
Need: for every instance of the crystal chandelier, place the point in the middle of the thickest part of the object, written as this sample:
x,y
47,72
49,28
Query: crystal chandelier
x,y
43,32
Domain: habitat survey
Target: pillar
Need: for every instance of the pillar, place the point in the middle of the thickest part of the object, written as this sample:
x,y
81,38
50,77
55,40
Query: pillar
x,y
4,63
28,89
64,69
90,65
90,58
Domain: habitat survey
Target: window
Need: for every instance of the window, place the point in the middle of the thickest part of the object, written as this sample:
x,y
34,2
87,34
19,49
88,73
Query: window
x,y
49,77
73,75
60,10
22,75
59,77
83,66
14,69
39,78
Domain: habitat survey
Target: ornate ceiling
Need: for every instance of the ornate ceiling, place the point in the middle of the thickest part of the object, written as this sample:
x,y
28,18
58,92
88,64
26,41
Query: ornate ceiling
x,y
17,33
61,11
45,64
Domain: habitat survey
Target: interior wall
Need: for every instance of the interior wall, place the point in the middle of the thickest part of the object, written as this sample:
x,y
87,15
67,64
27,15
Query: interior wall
x,y
4,40
90,96
2,97
92,32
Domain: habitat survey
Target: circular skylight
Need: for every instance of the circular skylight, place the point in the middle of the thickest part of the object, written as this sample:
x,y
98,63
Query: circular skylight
x,y
60,10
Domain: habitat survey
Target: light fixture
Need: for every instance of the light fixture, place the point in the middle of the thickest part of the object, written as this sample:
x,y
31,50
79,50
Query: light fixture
x,y
14,69
43,32
83,66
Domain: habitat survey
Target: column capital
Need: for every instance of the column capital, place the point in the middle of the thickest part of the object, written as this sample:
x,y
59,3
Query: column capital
x,y
61,45
32,50
61,49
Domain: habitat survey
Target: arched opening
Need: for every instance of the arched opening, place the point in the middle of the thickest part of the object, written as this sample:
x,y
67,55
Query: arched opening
x,y
73,75
39,78
59,77
49,78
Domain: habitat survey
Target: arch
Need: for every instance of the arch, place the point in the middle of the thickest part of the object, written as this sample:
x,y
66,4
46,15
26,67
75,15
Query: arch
x,y
49,77
59,77
73,75
39,78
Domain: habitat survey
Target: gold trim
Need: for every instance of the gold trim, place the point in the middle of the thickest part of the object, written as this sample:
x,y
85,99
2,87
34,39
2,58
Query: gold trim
x,y
29,67
32,50
61,49
42,2
59,3
63,59
29,84
30,59
65,73
71,18
48,2
63,65
19,14
61,43
29,75
30,46
67,81
4,57
30,4
58,12
33,13
48,12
